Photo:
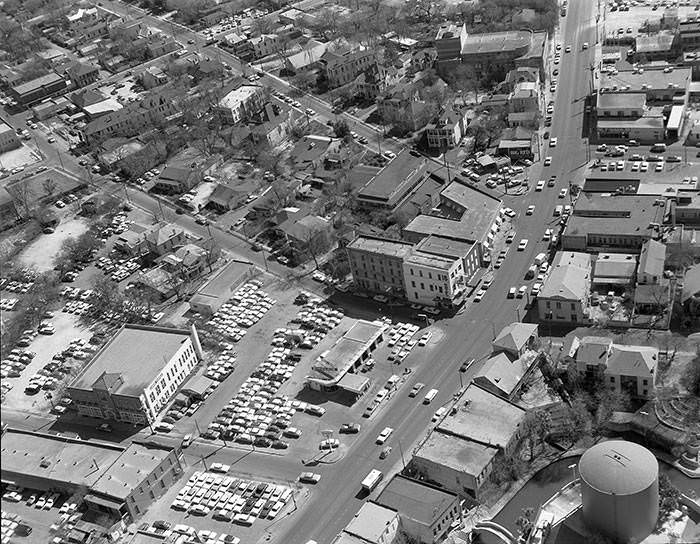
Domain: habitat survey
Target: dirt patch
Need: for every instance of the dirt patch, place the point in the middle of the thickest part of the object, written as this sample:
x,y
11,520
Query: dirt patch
x,y
40,254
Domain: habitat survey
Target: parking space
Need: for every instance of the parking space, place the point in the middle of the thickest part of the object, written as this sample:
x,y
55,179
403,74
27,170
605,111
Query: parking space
x,y
43,348
35,516
627,19
210,504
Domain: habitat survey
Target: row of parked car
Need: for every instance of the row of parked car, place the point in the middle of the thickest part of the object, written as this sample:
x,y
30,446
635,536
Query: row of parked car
x,y
256,414
246,307
231,499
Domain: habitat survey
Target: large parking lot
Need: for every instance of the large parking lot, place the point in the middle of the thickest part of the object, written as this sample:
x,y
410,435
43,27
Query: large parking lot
x,y
212,503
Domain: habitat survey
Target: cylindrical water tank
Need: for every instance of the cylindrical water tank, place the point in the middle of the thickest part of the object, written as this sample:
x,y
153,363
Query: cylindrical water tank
x,y
620,490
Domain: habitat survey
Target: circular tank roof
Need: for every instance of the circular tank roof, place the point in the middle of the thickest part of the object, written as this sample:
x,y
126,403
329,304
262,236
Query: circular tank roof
x,y
618,467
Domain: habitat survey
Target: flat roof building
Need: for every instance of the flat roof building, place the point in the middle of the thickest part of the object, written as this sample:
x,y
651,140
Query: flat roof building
x,y
213,294
376,264
622,222
427,512
135,374
37,89
120,481
336,368
388,188
373,524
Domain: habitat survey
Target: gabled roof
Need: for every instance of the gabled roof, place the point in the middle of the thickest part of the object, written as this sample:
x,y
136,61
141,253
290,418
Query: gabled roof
x,y
569,278
632,360
176,174
160,234
78,69
515,336
303,228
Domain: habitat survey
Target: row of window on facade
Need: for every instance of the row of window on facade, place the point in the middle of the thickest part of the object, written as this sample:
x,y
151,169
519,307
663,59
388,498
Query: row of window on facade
x,y
431,287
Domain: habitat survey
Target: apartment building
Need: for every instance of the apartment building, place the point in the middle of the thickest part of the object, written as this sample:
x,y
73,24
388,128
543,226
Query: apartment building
x,y
241,103
8,137
134,375
132,119
448,129
689,32
341,64
376,264
564,296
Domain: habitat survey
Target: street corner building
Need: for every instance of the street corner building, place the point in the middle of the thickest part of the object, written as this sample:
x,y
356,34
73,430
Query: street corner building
x,y
136,373
118,481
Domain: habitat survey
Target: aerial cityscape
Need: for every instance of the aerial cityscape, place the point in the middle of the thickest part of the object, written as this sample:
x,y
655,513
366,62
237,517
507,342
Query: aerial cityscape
x,y
350,271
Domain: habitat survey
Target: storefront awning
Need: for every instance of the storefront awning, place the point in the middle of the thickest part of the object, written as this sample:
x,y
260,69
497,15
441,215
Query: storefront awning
x,y
111,504
354,383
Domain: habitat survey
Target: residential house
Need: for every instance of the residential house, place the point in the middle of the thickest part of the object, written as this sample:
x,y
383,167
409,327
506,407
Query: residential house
x,y
651,262
159,239
624,368
403,104
241,103
308,234
427,512
82,74
177,179
265,44
448,129
564,296
272,126
229,197
153,77
516,339
187,262
375,80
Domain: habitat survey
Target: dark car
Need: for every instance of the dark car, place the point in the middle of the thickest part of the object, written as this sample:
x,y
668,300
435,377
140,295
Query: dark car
x,y
350,428
263,442
280,445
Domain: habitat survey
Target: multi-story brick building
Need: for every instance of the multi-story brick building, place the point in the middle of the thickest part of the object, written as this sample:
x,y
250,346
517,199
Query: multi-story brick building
x,y
342,64
135,374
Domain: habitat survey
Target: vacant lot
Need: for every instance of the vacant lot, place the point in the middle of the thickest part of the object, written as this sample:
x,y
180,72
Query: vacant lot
x,y
41,253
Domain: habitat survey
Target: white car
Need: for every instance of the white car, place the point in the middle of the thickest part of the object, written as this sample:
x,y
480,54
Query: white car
x,y
540,185
547,235
530,209
522,245
425,338
563,192
536,289
440,412
220,467
511,292
553,142
522,291
384,435
390,154
329,444
479,295
547,161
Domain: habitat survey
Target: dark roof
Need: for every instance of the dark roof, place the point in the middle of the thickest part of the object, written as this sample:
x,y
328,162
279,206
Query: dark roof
x,y
416,500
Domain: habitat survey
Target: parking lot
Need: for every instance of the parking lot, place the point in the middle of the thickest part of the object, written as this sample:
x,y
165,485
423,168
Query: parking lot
x,y
222,504
45,346
627,23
